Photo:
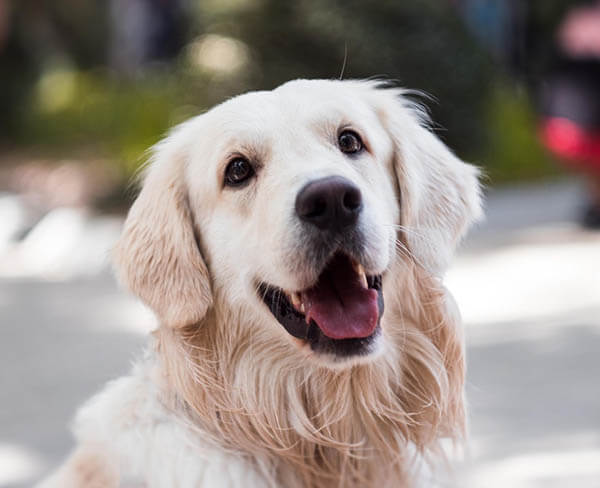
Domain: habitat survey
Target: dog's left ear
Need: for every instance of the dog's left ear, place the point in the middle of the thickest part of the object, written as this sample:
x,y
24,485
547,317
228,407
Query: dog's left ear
x,y
158,256
440,194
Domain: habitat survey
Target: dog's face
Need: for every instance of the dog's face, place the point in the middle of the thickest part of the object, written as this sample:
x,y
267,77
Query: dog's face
x,y
295,204
288,207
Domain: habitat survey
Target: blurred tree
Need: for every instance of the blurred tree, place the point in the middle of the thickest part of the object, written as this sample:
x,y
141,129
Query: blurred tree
x,y
39,34
422,44
58,61
143,31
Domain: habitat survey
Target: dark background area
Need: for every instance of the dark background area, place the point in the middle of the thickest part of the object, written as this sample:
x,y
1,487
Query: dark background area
x,y
100,81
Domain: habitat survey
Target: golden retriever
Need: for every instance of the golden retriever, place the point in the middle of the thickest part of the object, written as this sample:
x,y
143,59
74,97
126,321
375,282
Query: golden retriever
x,y
268,236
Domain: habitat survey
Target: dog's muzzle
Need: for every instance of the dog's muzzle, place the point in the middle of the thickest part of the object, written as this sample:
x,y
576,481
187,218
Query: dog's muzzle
x,y
340,313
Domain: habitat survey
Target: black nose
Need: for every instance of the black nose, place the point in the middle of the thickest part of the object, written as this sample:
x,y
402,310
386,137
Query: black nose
x,y
330,203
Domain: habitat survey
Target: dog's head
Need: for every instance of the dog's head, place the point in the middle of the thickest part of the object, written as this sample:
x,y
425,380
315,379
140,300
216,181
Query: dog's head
x,y
293,207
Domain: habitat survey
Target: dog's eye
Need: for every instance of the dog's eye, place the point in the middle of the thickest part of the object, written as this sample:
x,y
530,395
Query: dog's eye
x,y
238,171
350,142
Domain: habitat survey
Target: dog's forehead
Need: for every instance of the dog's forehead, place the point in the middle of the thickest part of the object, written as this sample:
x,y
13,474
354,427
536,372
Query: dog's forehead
x,y
292,106
297,117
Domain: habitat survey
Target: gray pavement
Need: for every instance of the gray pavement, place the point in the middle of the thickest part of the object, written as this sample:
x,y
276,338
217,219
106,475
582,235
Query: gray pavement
x,y
59,343
527,281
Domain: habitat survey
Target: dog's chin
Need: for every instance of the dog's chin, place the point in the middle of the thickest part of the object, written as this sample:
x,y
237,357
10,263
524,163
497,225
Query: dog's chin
x,y
344,353
338,318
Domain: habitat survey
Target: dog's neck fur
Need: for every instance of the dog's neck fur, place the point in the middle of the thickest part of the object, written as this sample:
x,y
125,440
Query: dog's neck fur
x,y
305,425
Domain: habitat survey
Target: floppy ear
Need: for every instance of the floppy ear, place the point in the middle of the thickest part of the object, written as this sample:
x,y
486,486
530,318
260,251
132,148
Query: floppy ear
x,y
157,256
440,194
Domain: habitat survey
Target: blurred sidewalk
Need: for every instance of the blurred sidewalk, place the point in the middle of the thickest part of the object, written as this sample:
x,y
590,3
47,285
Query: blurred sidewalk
x,y
528,285
527,282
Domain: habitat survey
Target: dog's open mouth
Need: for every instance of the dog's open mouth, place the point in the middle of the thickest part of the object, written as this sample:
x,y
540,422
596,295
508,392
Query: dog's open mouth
x,y
339,314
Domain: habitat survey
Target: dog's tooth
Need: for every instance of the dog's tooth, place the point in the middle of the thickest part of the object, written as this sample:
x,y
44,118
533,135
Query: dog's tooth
x,y
296,300
302,308
362,275
363,280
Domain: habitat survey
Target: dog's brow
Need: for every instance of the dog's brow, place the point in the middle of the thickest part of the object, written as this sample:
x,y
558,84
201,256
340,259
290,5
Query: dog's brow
x,y
256,153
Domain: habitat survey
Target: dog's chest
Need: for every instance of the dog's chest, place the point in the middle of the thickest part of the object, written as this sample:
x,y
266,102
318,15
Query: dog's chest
x,y
156,448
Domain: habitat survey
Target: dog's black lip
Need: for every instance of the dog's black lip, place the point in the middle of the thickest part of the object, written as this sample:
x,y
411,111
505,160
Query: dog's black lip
x,y
295,324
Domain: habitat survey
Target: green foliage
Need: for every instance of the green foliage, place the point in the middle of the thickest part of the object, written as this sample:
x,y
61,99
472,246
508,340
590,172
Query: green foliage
x,y
68,100
514,151
118,119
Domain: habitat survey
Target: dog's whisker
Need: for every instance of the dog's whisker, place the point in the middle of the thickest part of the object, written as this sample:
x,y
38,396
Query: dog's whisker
x,y
405,252
410,230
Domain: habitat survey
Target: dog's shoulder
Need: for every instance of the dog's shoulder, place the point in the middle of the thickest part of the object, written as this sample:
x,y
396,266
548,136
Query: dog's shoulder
x,y
125,417
129,402
129,422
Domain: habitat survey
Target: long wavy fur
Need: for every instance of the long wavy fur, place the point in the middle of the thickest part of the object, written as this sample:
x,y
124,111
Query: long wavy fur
x,y
311,426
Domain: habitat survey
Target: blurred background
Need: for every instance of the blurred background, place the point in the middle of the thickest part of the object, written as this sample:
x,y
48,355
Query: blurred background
x,y
86,86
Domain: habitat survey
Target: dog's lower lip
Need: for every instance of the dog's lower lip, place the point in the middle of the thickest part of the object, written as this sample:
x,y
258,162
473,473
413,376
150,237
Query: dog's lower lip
x,y
287,308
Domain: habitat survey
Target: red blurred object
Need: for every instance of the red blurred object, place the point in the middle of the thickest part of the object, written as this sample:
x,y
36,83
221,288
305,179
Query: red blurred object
x,y
578,146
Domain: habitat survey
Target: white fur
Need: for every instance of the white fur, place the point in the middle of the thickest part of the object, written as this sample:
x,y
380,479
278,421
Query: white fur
x,y
226,398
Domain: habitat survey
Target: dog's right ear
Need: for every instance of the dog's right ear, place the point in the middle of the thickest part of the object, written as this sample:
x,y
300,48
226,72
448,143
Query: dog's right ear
x,y
157,256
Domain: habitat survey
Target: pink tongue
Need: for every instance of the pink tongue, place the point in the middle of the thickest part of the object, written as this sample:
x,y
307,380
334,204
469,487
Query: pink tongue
x,y
339,304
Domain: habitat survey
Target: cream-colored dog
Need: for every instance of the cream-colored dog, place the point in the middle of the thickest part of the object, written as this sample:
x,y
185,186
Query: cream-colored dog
x,y
268,236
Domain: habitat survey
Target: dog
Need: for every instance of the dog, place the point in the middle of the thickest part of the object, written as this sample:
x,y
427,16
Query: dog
x,y
292,244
